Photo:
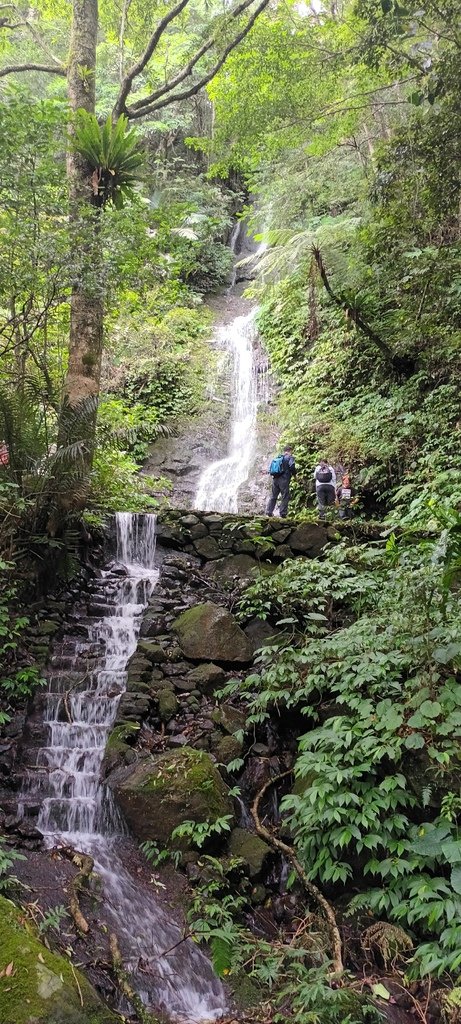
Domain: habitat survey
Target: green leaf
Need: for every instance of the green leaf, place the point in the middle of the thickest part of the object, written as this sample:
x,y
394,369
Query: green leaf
x,y
415,741
380,991
455,878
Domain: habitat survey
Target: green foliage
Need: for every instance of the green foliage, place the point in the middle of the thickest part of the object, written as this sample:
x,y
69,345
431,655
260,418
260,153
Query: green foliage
x,y
294,977
52,920
113,153
200,831
156,856
116,486
8,856
376,673
17,681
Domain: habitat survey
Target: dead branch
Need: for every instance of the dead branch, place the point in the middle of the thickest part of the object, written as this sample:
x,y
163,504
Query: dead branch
x,y
77,984
403,366
85,863
351,313
314,892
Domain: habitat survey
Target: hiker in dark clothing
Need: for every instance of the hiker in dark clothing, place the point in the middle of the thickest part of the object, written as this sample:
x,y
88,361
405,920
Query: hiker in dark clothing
x,y
325,486
281,469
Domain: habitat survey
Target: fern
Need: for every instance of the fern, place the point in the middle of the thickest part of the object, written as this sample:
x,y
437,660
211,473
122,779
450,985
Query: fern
x,y
221,951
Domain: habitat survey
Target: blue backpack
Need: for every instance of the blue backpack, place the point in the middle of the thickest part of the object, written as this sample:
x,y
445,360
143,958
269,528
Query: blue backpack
x,y
276,467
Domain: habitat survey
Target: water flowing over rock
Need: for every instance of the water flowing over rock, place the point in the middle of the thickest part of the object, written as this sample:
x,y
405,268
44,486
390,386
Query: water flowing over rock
x,y
219,483
87,679
208,632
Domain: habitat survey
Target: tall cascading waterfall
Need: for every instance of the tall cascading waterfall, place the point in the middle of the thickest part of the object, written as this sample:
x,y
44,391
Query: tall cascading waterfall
x,y
86,681
219,483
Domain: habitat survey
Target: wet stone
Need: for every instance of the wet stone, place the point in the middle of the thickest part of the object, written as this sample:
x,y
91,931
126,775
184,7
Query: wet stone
x,y
189,520
206,677
154,653
207,548
282,552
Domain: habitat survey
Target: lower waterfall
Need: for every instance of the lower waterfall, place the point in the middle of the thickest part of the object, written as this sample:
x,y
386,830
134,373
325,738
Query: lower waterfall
x,y
86,681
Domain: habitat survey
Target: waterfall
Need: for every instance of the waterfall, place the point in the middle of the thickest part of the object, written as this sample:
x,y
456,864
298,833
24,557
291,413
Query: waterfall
x,y
87,677
219,483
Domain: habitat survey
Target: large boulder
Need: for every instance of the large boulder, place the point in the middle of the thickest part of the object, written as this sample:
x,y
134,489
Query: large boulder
x,y
208,632
159,793
308,539
41,987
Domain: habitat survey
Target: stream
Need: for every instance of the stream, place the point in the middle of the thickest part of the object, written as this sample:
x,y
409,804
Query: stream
x,y
87,677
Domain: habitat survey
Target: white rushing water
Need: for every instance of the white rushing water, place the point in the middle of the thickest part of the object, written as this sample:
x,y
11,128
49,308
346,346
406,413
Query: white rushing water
x,y
86,682
219,483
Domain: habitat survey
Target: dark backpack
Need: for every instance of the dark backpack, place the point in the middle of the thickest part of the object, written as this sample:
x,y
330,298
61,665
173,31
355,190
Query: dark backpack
x,y
276,467
324,476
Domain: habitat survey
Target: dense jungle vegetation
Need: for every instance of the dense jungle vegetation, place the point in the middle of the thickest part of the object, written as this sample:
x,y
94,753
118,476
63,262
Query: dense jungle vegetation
x,y
334,129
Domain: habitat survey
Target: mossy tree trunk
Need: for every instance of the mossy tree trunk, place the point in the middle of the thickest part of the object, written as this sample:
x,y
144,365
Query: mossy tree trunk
x,y
82,383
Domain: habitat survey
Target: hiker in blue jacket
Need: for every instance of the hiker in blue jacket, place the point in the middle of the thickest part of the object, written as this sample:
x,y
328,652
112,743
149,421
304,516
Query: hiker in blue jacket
x,y
281,469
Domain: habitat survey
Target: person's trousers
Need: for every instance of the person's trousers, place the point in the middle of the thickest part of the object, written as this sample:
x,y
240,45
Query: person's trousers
x,y
344,510
325,496
280,487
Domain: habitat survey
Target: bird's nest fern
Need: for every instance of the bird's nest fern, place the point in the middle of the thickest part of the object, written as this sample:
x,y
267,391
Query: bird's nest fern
x,y
113,154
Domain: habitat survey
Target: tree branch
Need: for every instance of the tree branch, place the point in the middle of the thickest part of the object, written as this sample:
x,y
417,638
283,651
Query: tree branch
x,y
194,89
146,101
42,43
138,68
11,69
352,313
314,892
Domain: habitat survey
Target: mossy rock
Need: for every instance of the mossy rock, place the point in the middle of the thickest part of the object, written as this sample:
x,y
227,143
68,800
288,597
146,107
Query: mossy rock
x,y
206,677
42,988
117,746
159,793
229,719
225,570
227,749
151,650
167,704
208,632
207,547
251,849
47,627
309,539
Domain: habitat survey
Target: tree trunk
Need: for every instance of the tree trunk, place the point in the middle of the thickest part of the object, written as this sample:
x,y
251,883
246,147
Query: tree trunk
x,y
77,423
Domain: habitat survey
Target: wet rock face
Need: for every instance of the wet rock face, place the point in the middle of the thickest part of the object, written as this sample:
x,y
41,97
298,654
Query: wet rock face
x,y
43,988
159,793
209,632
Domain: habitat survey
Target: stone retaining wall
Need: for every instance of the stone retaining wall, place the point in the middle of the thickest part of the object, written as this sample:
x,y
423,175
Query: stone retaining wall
x,y
215,535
